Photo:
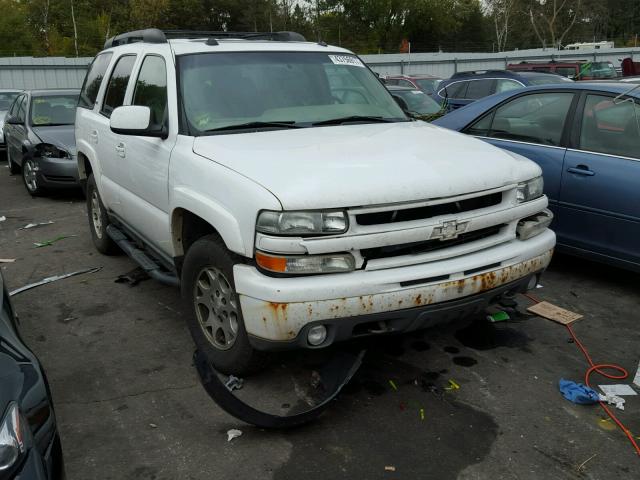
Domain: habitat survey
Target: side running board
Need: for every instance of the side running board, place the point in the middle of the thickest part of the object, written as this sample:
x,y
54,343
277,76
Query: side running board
x,y
149,265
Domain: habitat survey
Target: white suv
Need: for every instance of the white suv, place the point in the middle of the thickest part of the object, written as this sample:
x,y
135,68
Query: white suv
x,y
297,205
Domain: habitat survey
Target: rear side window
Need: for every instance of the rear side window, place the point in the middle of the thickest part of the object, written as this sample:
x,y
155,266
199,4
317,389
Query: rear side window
x,y
536,118
117,86
151,88
93,80
569,72
504,85
610,127
15,106
479,89
454,90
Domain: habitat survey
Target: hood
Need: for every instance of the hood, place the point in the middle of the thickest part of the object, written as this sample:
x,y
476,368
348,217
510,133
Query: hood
x,y
368,164
62,136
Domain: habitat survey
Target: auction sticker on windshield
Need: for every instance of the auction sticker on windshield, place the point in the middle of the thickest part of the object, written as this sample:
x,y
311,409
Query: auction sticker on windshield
x,y
346,60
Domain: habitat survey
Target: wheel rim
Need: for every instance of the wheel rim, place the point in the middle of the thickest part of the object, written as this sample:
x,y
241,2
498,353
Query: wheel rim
x,y
96,214
30,175
216,308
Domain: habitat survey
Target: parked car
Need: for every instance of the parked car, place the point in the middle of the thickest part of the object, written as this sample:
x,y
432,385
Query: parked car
x,y
29,442
466,87
573,70
427,83
40,139
415,102
6,99
586,138
292,216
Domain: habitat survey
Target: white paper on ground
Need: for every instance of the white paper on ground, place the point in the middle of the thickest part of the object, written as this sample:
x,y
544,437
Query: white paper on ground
x,y
617,390
636,380
233,433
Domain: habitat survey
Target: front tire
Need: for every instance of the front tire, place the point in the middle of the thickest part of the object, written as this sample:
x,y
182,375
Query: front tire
x,y
13,168
215,317
98,220
30,178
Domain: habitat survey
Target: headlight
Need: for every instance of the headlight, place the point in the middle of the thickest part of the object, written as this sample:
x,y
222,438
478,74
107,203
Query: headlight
x,y
530,190
51,151
13,431
306,264
302,223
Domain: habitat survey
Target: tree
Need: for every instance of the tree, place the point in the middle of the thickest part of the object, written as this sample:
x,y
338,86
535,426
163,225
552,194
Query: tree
x,y
553,19
501,12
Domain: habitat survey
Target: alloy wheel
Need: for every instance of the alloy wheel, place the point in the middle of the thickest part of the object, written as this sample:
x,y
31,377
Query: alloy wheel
x,y
30,175
96,213
216,308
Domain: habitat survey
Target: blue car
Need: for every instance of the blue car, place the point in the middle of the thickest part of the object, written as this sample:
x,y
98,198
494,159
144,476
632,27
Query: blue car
x,y
586,138
466,87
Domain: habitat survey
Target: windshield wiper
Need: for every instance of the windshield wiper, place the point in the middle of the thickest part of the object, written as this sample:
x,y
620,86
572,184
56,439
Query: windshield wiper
x,y
253,125
356,118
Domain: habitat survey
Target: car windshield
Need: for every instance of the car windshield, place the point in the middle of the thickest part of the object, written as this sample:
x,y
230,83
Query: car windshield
x,y
428,85
418,101
548,79
223,90
6,99
53,110
599,70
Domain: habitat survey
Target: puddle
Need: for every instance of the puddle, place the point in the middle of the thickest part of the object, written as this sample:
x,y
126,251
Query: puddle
x,y
486,336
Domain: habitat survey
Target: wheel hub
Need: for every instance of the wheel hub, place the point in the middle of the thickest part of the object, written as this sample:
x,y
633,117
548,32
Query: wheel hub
x,y
96,213
216,308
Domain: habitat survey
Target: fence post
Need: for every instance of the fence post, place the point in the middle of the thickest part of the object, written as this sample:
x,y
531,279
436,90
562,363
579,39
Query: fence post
x,y
401,67
455,65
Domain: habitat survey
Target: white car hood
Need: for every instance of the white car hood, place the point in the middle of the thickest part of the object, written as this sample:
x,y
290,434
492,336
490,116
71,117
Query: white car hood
x,y
365,164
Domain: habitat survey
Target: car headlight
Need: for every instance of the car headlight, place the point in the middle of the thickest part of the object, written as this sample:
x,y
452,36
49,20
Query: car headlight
x,y
13,433
302,223
51,151
530,190
306,264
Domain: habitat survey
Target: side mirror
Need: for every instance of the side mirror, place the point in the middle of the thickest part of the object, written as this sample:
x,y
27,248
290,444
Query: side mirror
x,y
135,120
11,120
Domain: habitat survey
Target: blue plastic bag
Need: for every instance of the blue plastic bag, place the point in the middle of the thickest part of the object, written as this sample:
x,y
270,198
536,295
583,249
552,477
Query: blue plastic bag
x,y
578,393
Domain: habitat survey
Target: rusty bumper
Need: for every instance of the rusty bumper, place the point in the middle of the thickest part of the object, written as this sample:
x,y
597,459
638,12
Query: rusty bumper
x,y
277,310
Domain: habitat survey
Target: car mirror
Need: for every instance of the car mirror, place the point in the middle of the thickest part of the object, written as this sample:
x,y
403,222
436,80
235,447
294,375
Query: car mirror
x,y
11,120
135,120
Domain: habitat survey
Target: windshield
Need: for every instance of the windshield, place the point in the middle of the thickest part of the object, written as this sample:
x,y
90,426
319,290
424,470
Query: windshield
x,y
548,80
298,88
418,101
6,99
599,70
428,85
53,110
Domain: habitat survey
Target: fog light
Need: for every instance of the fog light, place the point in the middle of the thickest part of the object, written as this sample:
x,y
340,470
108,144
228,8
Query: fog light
x,y
317,335
533,283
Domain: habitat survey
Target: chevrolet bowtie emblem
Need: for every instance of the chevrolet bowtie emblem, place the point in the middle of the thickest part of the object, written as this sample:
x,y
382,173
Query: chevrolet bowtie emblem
x,y
449,230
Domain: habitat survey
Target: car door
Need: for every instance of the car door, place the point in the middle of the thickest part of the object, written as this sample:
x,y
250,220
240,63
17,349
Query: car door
x,y
532,125
145,160
600,190
108,146
18,131
8,128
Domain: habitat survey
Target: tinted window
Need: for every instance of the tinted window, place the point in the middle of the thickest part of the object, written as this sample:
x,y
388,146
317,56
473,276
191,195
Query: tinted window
x,y
15,106
93,80
22,109
479,89
391,81
419,102
53,110
504,85
428,84
536,118
405,83
481,127
568,72
151,88
454,90
117,86
609,127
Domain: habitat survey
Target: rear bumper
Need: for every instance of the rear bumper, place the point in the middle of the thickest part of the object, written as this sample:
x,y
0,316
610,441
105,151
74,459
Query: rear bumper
x,y
58,172
277,312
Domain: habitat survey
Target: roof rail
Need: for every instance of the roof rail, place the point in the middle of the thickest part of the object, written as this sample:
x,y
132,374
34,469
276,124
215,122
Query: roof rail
x,y
153,35
478,72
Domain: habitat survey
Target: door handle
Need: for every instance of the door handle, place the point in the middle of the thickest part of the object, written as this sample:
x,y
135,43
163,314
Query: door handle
x,y
94,136
581,170
120,148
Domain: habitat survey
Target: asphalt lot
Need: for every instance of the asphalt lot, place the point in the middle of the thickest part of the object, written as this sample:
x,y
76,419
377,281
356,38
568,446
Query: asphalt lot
x,y
130,406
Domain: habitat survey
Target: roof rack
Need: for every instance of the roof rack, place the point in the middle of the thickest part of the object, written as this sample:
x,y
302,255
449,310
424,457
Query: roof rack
x,y
154,35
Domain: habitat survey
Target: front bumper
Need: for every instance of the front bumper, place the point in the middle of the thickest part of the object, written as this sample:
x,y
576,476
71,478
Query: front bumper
x,y
58,172
278,311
